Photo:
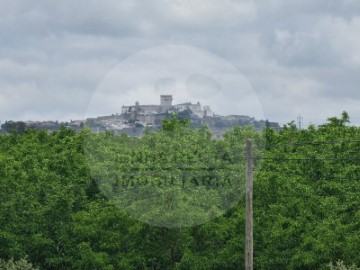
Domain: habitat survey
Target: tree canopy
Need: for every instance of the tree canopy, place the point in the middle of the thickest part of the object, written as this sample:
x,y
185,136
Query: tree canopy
x,y
173,199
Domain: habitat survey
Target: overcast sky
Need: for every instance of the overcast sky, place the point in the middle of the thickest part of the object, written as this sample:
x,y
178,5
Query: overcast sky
x,y
275,59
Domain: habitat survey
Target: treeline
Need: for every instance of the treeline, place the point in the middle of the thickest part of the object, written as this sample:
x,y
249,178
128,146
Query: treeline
x,y
174,199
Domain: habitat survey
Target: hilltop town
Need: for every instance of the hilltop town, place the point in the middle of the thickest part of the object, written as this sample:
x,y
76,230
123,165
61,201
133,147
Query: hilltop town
x,y
133,119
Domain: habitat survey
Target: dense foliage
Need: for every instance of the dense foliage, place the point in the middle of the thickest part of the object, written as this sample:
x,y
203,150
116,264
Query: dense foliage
x,y
307,197
173,199
177,177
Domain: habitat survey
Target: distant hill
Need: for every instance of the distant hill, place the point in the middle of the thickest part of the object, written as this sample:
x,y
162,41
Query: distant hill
x,y
135,118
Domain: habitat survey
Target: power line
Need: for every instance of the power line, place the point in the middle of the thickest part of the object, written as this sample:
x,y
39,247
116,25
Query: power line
x,y
319,177
300,152
299,159
307,143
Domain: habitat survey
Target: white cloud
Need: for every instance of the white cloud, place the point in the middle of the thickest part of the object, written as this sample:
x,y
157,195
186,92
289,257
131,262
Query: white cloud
x,y
211,12
344,37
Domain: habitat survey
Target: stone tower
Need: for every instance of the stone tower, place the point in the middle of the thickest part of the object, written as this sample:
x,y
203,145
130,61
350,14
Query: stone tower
x,y
166,100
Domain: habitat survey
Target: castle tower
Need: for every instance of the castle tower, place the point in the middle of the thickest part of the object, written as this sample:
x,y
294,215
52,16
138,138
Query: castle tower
x,y
166,100
208,112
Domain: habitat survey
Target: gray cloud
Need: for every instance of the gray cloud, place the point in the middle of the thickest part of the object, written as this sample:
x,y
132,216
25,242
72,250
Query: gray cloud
x,y
299,57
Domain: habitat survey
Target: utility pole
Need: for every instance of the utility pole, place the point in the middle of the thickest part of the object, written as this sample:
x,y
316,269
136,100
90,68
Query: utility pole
x,y
249,207
300,119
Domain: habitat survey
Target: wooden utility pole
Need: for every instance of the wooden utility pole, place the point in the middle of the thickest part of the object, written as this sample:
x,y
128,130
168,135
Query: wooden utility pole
x,y
249,207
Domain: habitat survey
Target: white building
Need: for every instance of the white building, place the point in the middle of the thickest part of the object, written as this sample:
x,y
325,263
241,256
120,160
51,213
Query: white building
x,y
167,106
